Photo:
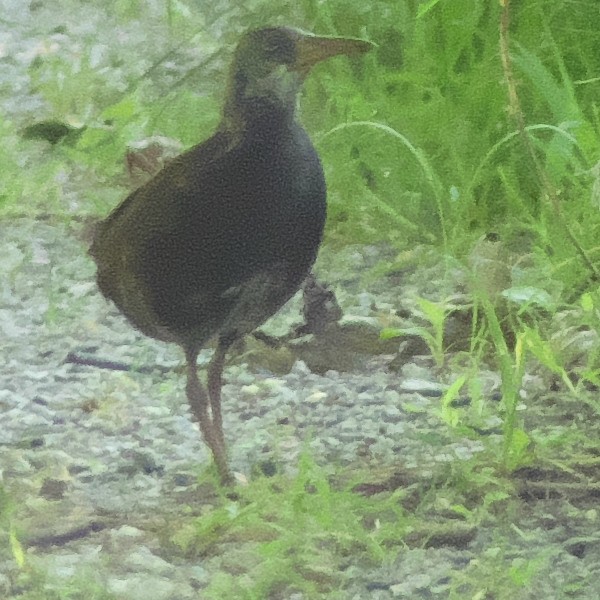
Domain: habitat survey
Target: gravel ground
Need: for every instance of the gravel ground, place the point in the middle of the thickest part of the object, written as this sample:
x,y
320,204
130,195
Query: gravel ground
x,y
80,443
92,454
97,461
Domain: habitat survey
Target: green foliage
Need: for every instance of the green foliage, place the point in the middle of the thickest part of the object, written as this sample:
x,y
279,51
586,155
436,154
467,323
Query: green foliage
x,y
31,581
433,334
512,369
36,585
421,146
11,185
301,530
8,535
186,116
449,414
417,139
497,575
590,319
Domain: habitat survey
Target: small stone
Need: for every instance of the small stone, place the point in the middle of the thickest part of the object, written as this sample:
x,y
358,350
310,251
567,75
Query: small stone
x,y
391,414
391,397
184,479
53,489
143,559
142,587
315,398
126,531
250,390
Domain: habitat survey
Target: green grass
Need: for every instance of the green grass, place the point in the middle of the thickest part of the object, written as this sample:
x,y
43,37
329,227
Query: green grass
x,y
422,145
293,533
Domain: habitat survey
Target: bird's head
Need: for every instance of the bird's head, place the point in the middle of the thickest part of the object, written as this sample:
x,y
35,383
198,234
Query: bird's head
x,y
269,66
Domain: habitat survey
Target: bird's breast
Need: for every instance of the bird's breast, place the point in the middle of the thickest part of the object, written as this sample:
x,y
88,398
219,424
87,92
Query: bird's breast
x,y
268,203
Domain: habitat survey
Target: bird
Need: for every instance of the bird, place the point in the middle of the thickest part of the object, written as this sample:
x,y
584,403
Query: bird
x,y
222,237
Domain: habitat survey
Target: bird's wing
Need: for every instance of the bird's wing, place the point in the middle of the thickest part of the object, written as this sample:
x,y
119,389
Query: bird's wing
x,y
205,155
126,240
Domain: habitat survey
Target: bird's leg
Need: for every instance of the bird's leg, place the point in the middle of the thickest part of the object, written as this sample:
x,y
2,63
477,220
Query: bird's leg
x,y
198,401
215,383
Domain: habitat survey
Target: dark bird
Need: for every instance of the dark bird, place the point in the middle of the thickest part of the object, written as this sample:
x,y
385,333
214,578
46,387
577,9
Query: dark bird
x,y
224,234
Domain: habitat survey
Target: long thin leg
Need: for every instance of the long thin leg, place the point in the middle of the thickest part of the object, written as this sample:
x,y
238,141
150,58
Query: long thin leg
x,y
215,383
212,433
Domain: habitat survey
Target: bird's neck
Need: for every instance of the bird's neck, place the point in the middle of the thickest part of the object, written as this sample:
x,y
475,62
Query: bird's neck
x,y
257,116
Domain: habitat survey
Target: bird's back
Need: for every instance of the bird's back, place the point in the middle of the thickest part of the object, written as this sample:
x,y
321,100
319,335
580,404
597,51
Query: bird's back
x,y
219,239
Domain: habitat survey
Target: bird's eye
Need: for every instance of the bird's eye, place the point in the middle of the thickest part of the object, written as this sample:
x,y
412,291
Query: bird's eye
x,y
274,50
279,49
